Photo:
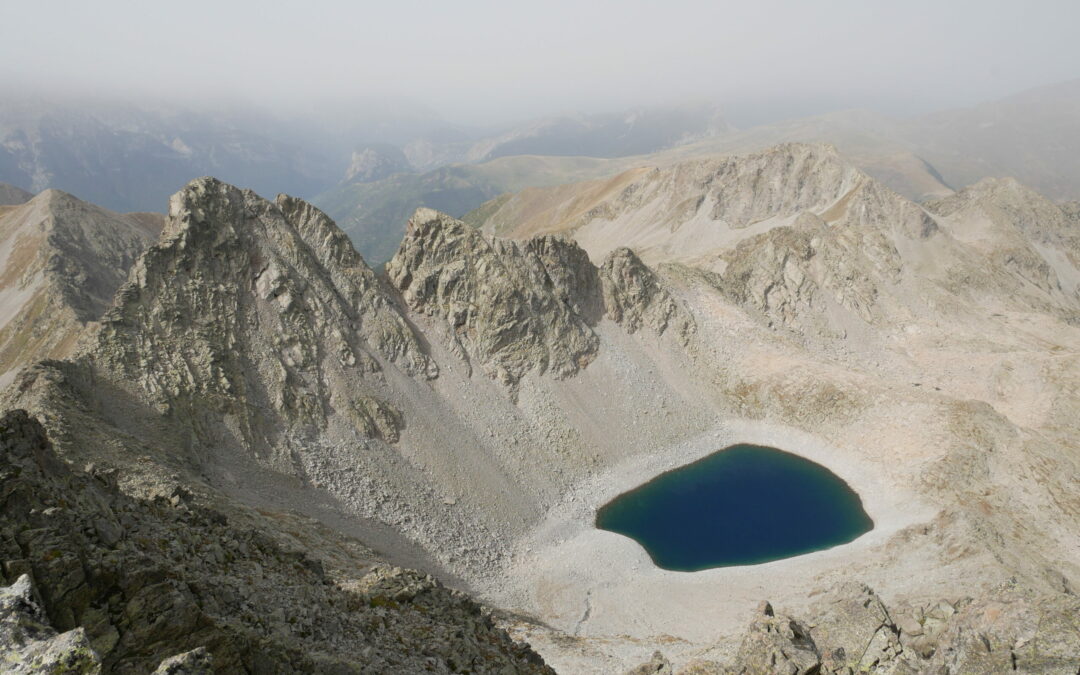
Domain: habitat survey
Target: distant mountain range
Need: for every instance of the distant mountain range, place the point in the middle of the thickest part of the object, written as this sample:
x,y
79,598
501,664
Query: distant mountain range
x,y
131,158
370,167
1034,137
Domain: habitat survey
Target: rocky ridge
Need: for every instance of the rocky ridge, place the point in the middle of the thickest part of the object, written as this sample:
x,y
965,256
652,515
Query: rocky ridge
x,y
519,307
63,260
808,242
854,631
1019,230
133,583
480,431
253,338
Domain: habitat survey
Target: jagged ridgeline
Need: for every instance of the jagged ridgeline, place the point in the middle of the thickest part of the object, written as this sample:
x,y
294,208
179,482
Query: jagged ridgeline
x,y
253,338
259,390
63,261
253,353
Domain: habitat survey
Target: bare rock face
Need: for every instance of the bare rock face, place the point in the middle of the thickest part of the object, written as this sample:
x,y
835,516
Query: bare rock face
x,y
520,306
132,582
509,306
795,275
247,305
785,180
634,297
834,263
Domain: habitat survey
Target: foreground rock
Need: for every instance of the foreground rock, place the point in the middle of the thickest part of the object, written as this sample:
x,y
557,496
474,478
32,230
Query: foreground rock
x,y
28,644
854,632
134,582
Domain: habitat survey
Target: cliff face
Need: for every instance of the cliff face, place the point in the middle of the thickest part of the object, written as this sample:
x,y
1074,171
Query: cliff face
x,y
260,312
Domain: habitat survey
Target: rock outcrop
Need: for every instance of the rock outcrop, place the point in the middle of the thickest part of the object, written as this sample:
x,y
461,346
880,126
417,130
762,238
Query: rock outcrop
x,y
506,305
247,305
854,632
515,307
133,582
634,296
801,276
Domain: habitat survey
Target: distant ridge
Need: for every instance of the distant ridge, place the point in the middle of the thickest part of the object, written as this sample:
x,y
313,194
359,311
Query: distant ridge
x,y
11,195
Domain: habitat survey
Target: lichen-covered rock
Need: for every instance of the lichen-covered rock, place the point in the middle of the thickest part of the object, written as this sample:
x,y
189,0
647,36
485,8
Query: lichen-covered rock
x,y
29,644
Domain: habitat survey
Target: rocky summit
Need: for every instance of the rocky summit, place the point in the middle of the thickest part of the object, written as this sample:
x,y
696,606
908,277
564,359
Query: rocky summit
x,y
260,454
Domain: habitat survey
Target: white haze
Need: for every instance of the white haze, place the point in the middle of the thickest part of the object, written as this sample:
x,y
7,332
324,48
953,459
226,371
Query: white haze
x,y
484,61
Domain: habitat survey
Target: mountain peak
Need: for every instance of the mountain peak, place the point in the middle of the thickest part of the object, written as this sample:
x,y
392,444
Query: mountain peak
x,y
245,263
505,304
65,260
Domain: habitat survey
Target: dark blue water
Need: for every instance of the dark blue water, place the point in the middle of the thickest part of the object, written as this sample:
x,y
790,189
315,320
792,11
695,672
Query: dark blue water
x,y
741,506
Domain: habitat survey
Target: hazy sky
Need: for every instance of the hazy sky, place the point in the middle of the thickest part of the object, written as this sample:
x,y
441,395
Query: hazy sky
x,y
487,61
